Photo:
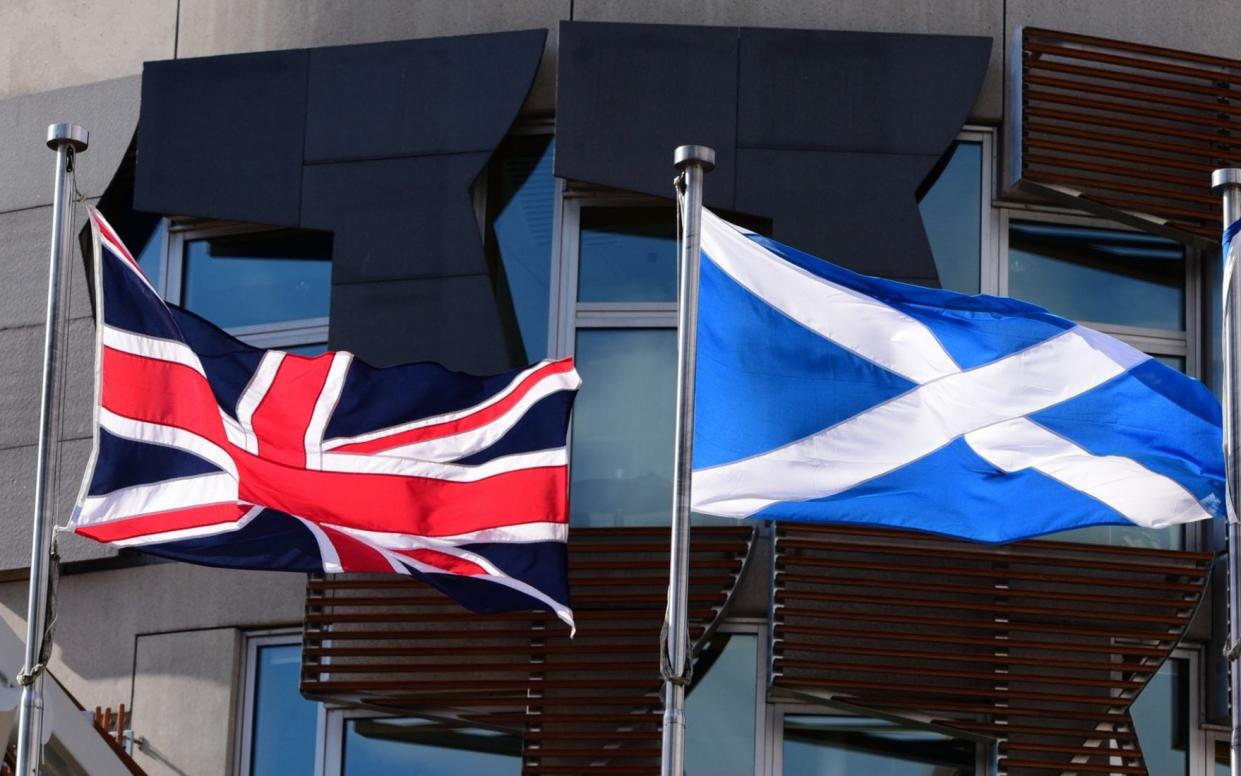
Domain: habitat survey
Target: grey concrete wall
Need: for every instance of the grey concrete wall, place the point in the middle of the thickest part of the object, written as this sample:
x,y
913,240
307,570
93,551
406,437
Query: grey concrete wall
x,y
170,668
108,109
162,639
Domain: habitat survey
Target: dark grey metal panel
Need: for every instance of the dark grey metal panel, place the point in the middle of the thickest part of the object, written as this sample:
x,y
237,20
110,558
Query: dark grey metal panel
x,y
858,208
430,96
395,134
397,218
221,137
627,94
827,134
451,320
879,93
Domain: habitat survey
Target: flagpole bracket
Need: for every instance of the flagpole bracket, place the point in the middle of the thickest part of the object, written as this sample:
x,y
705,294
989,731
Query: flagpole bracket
x,y
70,135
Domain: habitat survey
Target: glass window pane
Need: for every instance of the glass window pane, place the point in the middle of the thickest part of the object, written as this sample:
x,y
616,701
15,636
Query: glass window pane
x,y
1161,717
952,215
415,747
622,427
627,254
283,722
1223,759
1100,275
249,279
821,745
1172,538
523,196
151,257
721,708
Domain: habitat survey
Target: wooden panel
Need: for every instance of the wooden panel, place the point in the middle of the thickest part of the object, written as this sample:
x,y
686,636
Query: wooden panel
x,y
1042,645
588,703
1131,129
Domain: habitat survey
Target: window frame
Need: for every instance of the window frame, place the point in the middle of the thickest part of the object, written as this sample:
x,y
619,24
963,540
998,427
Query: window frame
x,y
277,335
244,732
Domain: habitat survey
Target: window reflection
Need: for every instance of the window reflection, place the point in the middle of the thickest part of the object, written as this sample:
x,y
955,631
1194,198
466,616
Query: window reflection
x,y
151,257
952,216
283,723
522,193
721,708
622,427
1161,718
1099,275
821,745
627,254
416,747
258,278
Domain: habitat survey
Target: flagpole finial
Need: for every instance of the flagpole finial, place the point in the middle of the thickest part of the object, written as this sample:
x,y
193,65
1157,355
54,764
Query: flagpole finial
x,y
1225,177
71,135
695,154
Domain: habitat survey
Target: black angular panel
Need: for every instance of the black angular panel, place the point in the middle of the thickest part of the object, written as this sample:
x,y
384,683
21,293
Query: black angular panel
x,y
221,137
827,134
856,91
412,97
378,144
857,221
628,94
451,320
397,218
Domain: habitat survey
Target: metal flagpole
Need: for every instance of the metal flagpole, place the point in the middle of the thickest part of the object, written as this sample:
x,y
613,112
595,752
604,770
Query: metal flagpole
x,y
67,140
1227,182
692,161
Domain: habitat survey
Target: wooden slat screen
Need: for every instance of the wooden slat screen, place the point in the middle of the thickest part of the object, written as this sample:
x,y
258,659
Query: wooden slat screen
x,y
1042,645
590,704
1130,128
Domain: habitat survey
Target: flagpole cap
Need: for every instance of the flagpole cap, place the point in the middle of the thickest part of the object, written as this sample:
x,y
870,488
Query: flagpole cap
x,y
695,154
1225,177
71,135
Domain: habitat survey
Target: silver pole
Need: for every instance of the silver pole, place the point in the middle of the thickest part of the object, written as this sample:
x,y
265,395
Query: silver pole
x,y
67,140
692,162
1227,182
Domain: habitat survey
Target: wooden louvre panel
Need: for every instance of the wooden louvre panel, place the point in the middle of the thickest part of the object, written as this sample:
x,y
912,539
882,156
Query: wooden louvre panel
x,y
1132,130
1042,645
588,704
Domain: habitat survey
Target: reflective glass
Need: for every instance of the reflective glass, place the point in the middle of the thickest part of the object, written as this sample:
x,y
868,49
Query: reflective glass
x,y
151,257
854,746
255,278
1099,275
1223,759
282,734
627,254
1161,717
523,195
722,704
414,747
622,427
952,216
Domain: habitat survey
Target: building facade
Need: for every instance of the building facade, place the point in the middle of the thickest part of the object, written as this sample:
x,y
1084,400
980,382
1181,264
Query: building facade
x,y
486,184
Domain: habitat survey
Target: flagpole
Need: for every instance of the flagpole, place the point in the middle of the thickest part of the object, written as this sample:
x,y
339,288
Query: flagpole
x,y
67,140
1227,182
692,162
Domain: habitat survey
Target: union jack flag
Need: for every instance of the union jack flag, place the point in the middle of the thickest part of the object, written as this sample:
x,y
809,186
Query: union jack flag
x,y
210,451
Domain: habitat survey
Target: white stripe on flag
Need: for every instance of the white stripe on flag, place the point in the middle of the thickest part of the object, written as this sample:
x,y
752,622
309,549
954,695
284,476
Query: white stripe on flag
x,y
252,396
190,533
1142,496
866,326
163,496
168,436
382,463
902,430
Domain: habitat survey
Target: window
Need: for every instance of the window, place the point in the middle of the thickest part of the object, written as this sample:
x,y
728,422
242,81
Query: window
x,y
520,196
278,726
268,287
1137,287
1165,717
956,208
724,705
818,742
363,743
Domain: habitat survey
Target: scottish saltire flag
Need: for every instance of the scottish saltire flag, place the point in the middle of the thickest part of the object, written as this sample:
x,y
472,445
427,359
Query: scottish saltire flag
x,y
213,452
828,396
